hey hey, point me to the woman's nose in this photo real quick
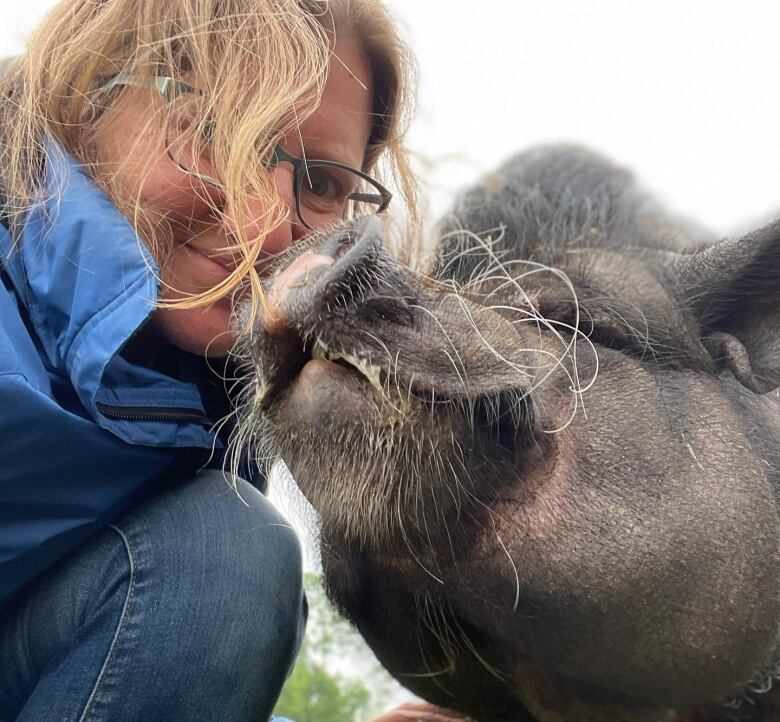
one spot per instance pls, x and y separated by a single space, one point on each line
290 229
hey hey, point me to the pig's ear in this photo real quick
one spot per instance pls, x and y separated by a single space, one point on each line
733 288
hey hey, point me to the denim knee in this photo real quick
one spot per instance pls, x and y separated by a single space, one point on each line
216 613
228 564
201 620
69 615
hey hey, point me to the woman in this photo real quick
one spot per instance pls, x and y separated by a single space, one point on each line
151 163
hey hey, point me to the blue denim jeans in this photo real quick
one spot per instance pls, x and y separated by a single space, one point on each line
189 607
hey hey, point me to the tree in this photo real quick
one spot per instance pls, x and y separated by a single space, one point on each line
312 694
336 678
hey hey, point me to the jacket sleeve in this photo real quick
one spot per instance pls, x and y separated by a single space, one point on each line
62 478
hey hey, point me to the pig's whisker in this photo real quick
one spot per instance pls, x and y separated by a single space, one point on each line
410 548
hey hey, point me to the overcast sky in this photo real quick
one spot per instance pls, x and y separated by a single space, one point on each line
682 91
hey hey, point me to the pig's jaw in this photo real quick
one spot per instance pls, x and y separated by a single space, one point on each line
422 472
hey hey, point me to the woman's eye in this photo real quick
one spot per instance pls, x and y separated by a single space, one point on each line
207 130
324 185
326 190
187 116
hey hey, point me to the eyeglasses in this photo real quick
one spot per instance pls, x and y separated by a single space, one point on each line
324 190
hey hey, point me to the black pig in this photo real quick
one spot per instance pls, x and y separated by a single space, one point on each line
547 471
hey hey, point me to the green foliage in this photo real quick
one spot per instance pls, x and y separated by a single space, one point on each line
324 685
312 694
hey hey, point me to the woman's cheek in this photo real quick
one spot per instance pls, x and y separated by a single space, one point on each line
206 330
178 196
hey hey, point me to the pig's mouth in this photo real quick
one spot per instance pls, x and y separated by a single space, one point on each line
331 301
344 302
313 362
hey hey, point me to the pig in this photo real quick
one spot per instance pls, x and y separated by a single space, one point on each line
546 468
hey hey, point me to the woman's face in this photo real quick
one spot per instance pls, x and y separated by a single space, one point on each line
140 166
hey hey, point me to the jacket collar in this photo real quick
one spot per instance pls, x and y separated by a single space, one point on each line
89 283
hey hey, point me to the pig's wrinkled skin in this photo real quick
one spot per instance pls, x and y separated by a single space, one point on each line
528 522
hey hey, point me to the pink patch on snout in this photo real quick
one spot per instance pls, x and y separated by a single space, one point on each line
296 275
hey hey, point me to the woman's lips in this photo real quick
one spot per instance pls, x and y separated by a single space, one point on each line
214 268
230 262
265 266
227 262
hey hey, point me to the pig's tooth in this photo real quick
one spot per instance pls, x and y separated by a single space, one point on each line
369 370
320 350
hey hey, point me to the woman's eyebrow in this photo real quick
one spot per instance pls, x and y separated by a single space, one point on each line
329 150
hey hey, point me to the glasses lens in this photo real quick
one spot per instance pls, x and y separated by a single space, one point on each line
329 193
189 133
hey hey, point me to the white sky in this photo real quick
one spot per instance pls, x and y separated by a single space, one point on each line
682 91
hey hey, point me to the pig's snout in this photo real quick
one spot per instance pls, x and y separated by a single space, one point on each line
310 278
299 274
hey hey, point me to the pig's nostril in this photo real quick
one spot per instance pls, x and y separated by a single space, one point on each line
345 244
338 246
360 240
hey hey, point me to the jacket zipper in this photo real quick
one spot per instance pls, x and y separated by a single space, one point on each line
152 413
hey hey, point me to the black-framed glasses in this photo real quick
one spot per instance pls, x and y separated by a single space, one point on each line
324 191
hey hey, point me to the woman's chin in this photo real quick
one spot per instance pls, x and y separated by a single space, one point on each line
202 331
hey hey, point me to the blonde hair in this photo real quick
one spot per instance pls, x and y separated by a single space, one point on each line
284 47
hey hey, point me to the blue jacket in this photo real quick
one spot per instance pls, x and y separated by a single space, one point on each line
84 434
